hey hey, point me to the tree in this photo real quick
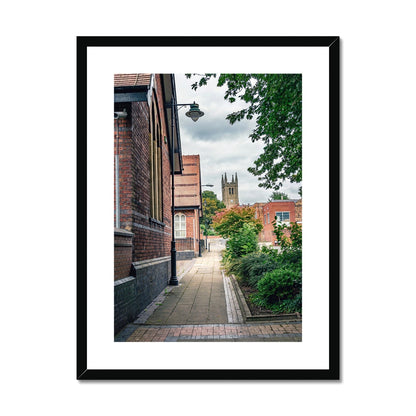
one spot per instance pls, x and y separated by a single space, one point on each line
289 237
278 196
211 205
275 101
229 222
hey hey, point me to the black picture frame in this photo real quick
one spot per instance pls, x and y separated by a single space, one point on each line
333 372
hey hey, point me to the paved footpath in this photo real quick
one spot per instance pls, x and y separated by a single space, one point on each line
198 299
202 307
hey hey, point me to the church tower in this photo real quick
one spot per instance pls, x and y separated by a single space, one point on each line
229 190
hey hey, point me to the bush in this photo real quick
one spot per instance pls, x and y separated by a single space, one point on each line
280 290
278 285
251 268
286 306
276 276
290 259
243 242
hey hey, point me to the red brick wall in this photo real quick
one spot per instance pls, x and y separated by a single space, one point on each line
123 245
151 238
267 234
298 211
192 225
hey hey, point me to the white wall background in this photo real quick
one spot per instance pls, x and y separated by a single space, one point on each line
38 266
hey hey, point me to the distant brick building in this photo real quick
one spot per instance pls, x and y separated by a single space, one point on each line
298 211
282 211
188 208
258 210
142 205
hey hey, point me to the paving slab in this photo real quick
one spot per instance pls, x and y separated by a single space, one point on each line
198 299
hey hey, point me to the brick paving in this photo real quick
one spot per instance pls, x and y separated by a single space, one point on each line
203 308
212 332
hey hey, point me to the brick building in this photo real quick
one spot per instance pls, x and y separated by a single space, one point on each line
284 211
258 210
188 208
143 118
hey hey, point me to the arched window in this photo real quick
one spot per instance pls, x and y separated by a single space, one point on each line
180 226
156 163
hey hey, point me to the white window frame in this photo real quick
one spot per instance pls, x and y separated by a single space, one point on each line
282 212
180 226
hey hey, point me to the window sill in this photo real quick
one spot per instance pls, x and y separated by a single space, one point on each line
155 221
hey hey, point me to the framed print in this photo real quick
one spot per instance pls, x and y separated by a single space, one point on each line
208 208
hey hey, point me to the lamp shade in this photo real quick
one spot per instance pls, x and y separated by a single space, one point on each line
194 113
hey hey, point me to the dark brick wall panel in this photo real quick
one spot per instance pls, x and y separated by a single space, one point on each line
125 302
151 279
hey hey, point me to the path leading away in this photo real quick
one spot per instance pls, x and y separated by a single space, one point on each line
199 298
203 307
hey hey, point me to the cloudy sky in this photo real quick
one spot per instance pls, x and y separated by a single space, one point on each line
223 148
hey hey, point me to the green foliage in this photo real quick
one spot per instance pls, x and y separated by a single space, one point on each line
279 285
275 101
251 268
289 237
278 196
243 242
207 230
229 222
211 205
276 276
290 305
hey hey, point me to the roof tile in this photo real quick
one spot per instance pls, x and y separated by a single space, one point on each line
128 80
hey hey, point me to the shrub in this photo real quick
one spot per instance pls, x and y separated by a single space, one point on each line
242 242
252 267
280 289
286 306
231 266
290 259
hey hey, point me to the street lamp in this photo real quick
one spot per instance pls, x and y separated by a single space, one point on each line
200 254
194 113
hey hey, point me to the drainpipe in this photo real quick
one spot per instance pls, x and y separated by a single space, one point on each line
117 116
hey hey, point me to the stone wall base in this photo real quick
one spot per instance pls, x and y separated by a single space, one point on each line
185 255
134 293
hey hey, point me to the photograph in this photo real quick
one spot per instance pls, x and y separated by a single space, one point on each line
200 255
203 222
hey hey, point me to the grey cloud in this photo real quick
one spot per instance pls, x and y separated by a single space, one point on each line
223 148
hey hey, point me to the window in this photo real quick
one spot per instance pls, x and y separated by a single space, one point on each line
283 216
268 218
180 226
156 210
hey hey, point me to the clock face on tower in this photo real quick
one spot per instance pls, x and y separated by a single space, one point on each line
231 201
